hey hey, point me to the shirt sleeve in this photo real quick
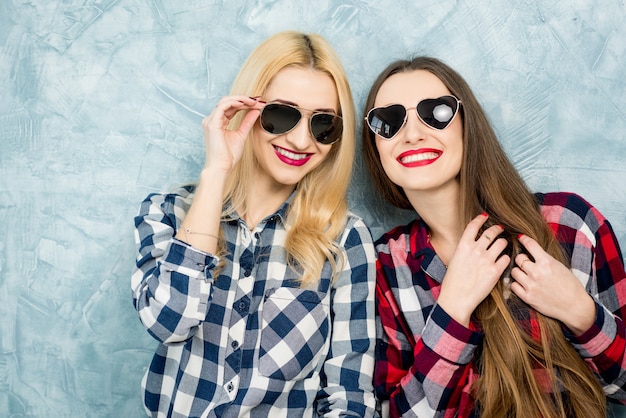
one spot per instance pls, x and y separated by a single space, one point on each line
422 375
172 281
346 378
603 346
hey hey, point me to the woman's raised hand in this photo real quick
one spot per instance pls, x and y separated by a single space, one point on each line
551 288
224 146
475 267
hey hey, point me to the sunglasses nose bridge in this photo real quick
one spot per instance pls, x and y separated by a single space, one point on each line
413 125
300 135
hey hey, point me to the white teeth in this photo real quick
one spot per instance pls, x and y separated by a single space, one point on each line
290 155
419 157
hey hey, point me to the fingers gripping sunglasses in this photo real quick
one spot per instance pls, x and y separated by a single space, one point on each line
280 118
436 113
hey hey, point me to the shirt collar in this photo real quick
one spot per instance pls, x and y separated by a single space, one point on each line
281 212
420 246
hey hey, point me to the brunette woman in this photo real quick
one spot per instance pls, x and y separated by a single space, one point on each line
494 302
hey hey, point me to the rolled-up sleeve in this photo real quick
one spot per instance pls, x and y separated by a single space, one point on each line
172 281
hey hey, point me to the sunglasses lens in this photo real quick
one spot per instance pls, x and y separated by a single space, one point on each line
438 113
386 121
326 128
279 118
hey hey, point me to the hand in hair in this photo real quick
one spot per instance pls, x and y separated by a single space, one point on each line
551 288
474 269
224 146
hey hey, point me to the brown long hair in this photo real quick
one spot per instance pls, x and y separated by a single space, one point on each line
489 182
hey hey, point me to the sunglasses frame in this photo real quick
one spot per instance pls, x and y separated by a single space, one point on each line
313 113
406 115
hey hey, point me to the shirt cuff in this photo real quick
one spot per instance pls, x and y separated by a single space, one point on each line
448 338
596 339
187 260
196 269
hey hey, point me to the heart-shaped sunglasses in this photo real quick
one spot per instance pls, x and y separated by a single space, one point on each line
280 118
437 113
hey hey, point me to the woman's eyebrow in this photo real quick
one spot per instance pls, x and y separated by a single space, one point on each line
328 110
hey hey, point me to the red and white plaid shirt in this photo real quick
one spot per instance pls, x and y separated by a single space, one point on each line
425 360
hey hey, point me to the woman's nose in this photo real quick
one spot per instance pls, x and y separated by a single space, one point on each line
300 136
414 127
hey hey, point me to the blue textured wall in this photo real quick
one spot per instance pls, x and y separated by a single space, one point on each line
101 103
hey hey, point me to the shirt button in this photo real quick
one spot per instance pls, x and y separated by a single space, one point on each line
234 344
230 387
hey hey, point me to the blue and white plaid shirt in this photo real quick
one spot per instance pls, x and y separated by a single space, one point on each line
251 342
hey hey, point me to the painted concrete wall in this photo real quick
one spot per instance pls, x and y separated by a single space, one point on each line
101 103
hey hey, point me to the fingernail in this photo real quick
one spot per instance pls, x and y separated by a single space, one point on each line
484 214
519 236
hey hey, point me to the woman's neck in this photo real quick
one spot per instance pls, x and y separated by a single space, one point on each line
441 212
262 200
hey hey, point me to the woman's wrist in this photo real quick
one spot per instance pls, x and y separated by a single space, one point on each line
213 174
582 317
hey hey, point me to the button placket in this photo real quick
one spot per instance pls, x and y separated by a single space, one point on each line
245 284
231 388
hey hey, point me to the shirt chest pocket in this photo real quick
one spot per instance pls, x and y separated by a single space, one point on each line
294 332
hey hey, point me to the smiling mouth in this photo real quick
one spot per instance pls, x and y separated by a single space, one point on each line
423 156
291 155
294 159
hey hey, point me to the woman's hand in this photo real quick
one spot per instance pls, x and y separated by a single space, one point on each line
551 288
224 147
475 267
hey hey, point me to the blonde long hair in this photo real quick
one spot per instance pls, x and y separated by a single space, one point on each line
317 214
489 182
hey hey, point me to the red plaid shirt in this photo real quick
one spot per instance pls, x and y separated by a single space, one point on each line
425 359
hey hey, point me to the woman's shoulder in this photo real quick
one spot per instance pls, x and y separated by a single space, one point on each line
170 202
399 235
568 208
179 192
569 200
355 223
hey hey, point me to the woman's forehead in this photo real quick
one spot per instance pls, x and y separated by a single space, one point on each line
410 87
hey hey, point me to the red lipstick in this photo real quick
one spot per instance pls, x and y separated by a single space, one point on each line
419 157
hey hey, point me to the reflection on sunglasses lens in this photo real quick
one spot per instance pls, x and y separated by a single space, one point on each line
437 113
387 121
443 113
324 129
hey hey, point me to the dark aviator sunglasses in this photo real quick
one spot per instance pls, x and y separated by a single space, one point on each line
437 113
280 118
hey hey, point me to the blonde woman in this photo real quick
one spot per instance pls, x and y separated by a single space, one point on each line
257 281
494 302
